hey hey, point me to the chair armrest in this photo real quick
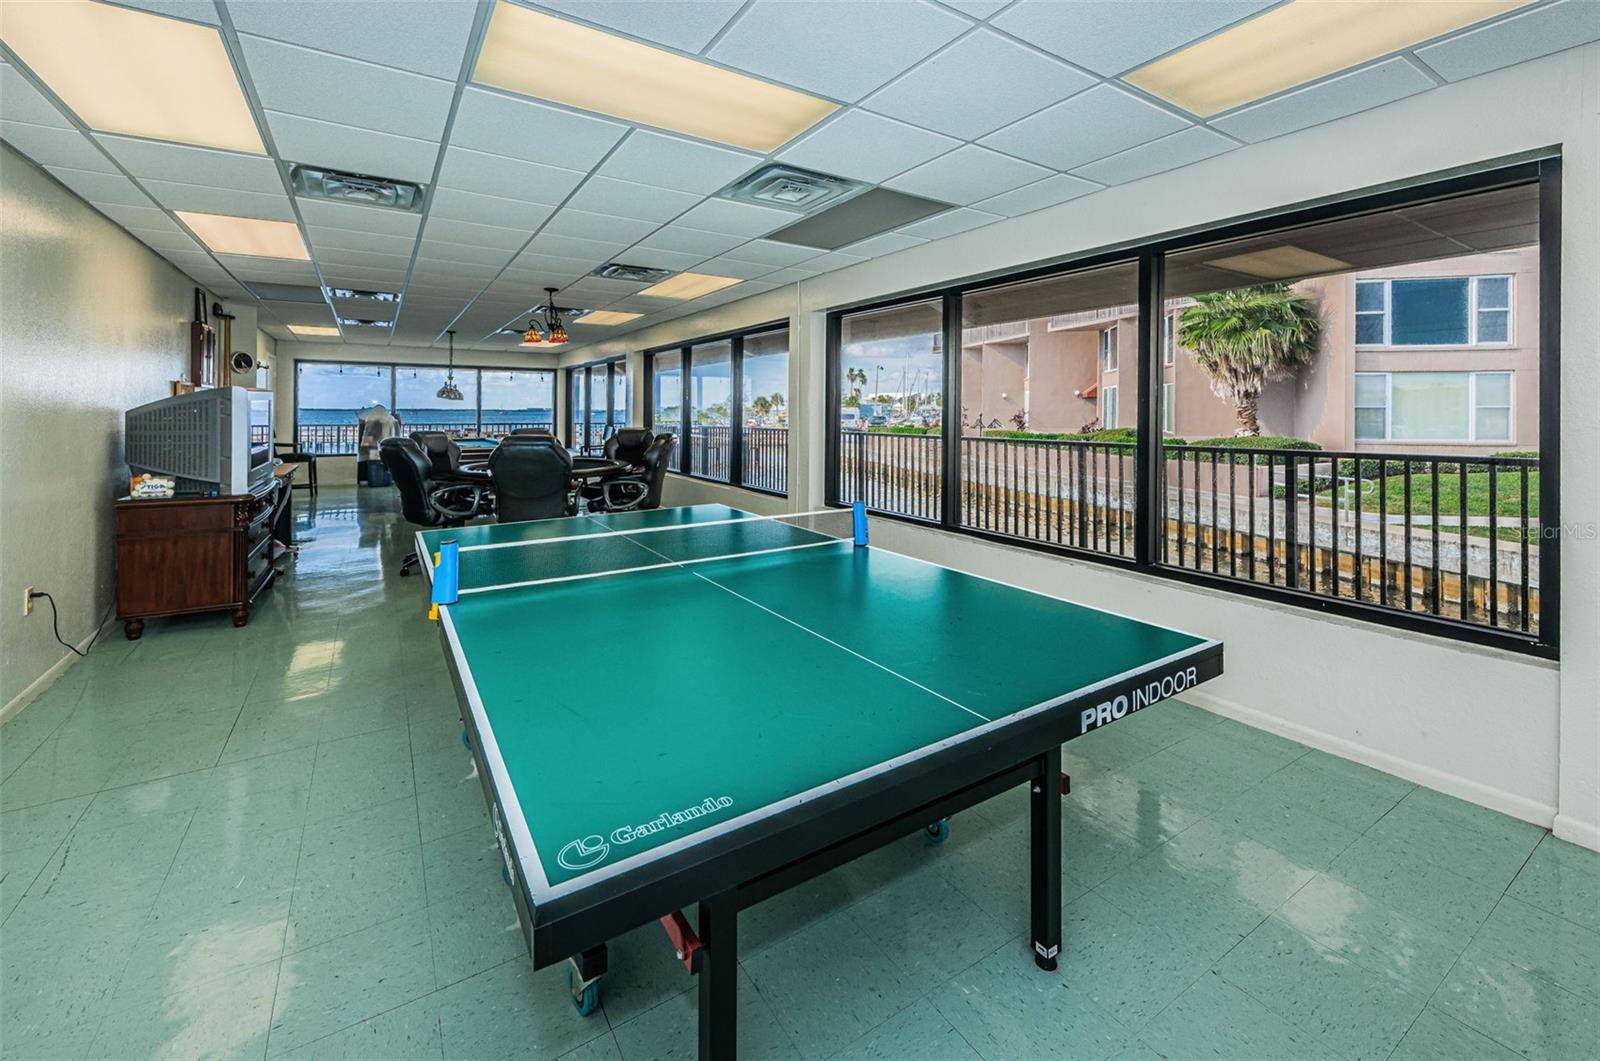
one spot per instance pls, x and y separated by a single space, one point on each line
443 499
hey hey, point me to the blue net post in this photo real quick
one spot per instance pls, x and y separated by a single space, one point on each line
447 573
858 511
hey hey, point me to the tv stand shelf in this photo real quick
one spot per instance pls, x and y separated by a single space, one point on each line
181 555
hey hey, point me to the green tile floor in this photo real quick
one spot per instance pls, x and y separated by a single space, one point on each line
270 842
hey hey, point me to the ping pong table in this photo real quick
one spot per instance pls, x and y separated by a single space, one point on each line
775 702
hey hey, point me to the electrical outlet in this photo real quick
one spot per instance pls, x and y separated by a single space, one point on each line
27 601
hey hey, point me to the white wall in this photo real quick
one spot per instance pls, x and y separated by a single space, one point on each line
92 323
1514 733
288 354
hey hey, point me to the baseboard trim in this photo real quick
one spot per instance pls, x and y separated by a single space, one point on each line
1495 799
15 705
1570 829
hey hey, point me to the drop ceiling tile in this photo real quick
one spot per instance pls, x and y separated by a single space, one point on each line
489 236
203 166
660 259
885 243
363 279
193 10
318 85
509 178
535 264
272 269
1528 35
599 227
366 259
597 290
736 219
175 196
686 27
1091 125
165 240
771 253
1111 36
979 9
109 188
353 217
1170 152
21 102
949 223
573 247
1038 195
691 241
520 128
453 205
434 250
725 266
867 147
328 145
943 94
146 217
966 175
833 260
663 161
192 261
325 238
426 38
619 198
810 44
790 275
1324 101
53 145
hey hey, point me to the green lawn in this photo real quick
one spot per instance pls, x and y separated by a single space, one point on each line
1508 490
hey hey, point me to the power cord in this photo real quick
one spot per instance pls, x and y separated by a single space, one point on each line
55 623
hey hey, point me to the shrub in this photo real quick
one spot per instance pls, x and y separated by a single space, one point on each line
1517 453
1279 442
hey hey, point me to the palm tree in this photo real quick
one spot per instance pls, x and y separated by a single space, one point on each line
1246 336
858 377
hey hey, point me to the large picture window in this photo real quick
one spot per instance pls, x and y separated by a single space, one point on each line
332 397
1340 407
711 408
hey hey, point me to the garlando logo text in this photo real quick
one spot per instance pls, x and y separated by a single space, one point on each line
1145 695
590 851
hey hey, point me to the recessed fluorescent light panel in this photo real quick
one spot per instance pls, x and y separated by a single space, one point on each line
608 317
247 235
535 54
366 296
124 71
314 329
1299 42
1281 263
309 182
689 285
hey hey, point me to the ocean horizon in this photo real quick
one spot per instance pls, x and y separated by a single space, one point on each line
467 415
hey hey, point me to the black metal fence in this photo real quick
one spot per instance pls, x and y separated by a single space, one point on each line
710 448
766 458
332 440
1445 536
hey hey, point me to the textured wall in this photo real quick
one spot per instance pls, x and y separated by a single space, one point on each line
91 324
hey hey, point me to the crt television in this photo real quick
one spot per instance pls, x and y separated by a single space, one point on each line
213 441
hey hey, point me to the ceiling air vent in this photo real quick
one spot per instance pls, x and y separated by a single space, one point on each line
353 322
790 188
314 183
366 296
635 274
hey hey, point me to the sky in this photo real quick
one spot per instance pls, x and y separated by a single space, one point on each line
910 358
323 386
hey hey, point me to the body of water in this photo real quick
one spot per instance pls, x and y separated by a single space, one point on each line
464 416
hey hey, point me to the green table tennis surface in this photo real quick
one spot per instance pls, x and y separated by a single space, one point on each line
631 712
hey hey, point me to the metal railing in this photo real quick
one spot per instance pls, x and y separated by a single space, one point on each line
766 458
896 473
710 446
1446 536
1056 491
335 440
993 333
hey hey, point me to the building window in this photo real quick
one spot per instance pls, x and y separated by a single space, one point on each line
1433 406
1169 341
764 406
1108 407
1108 349
1167 415
666 392
1443 311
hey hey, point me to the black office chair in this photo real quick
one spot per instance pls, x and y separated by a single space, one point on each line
424 500
533 432
445 456
532 479
642 489
626 445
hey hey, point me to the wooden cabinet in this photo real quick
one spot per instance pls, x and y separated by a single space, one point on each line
195 554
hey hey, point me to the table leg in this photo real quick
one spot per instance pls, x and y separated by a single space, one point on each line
719 977
1045 859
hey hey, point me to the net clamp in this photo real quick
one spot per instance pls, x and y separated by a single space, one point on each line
685 943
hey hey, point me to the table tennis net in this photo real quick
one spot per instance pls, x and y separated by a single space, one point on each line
612 548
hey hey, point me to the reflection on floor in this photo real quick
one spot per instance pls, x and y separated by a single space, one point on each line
266 842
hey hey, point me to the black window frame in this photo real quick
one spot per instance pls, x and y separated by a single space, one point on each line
1543 170
614 366
395 367
684 349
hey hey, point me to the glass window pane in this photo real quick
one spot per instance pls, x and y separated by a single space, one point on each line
514 398
1369 423
1494 425
1430 406
1369 296
1429 312
1494 292
621 395
891 367
710 404
1494 326
765 399
666 398
1372 388
598 406
575 397
419 407
330 400
1369 329
1494 389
